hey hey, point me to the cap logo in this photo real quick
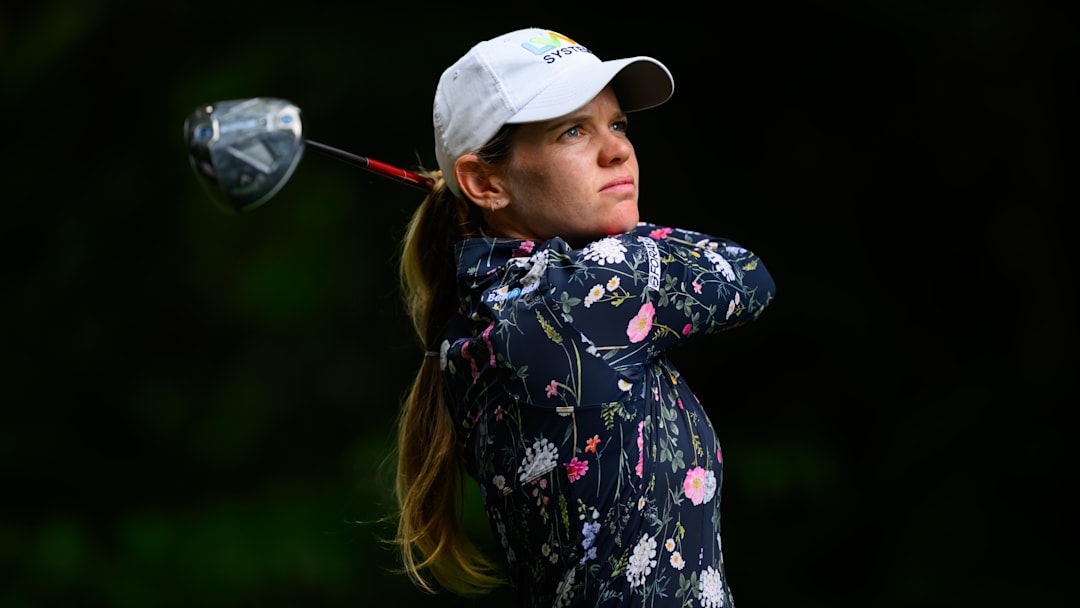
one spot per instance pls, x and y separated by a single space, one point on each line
539 45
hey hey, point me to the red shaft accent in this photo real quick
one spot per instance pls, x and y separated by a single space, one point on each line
399 174
396 173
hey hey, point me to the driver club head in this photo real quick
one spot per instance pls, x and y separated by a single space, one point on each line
243 151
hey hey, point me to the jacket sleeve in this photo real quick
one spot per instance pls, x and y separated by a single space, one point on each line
635 295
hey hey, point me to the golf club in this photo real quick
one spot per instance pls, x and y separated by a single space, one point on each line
244 150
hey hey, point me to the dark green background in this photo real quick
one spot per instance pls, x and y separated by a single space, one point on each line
197 407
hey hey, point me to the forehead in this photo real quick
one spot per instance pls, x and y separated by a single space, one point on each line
603 107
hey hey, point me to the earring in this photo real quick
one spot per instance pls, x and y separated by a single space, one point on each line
497 201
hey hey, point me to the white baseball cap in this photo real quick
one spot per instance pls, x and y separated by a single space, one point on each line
531 75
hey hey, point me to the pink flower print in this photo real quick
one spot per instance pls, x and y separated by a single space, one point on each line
639 326
487 340
552 389
719 456
640 468
592 443
694 485
697 287
575 468
686 330
499 413
524 249
660 233
467 355
679 403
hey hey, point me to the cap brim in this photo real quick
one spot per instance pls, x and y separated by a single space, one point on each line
639 83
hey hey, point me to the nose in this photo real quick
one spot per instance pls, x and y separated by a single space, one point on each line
615 148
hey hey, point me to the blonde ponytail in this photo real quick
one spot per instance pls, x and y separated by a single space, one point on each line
429 481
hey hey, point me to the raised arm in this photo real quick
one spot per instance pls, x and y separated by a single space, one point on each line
638 294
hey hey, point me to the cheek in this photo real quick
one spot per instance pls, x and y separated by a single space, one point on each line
528 180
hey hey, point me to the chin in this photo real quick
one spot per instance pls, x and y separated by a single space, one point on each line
614 230
624 223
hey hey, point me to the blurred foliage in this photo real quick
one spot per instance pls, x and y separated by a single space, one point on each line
199 408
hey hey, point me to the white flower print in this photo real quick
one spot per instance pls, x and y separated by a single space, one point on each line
532 277
443 349
642 561
606 251
539 459
711 587
613 283
595 294
731 305
500 527
721 264
589 346
707 244
710 486
564 592
677 561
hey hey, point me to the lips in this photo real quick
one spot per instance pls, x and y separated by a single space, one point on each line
619 185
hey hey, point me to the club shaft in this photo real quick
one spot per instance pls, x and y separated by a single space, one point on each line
381 168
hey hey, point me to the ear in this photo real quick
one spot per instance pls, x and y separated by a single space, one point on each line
478 180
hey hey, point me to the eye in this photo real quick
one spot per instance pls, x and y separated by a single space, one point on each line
574 131
620 126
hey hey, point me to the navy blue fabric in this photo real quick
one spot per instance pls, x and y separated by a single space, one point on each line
600 470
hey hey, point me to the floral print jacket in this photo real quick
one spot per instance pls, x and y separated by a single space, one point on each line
600 470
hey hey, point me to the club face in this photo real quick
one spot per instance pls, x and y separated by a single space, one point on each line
244 150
